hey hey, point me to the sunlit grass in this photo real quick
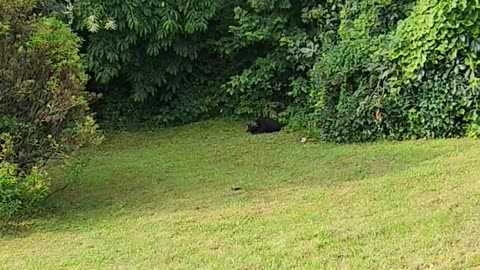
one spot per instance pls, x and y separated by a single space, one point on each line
164 200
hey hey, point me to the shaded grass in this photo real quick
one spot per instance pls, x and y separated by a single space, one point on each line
164 200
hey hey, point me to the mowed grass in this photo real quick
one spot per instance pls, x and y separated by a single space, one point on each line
164 200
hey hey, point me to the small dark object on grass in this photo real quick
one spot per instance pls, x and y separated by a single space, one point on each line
236 188
264 125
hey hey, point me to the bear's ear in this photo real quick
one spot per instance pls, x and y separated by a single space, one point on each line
249 127
252 125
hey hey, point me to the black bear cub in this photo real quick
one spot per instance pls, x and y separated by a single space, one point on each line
264 125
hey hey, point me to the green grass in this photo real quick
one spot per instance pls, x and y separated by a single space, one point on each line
163 200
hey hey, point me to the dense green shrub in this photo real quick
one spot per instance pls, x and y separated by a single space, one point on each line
349 74
116 110
436 52
347 71
438 32
278 35
44 110
399 71
19 190
160 56
152 45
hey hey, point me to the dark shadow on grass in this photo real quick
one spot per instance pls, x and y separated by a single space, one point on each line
14 230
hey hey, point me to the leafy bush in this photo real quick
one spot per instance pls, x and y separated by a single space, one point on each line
19 191
44 107
347 71
151 44
160 56
400 79
435 53
380 69
440 107
276 38
116 111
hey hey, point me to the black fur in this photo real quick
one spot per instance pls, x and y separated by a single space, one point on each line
264 125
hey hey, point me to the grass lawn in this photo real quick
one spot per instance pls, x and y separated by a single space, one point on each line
164 200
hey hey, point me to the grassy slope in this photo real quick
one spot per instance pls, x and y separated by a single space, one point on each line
164 200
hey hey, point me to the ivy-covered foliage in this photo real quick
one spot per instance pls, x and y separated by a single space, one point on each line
350 74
